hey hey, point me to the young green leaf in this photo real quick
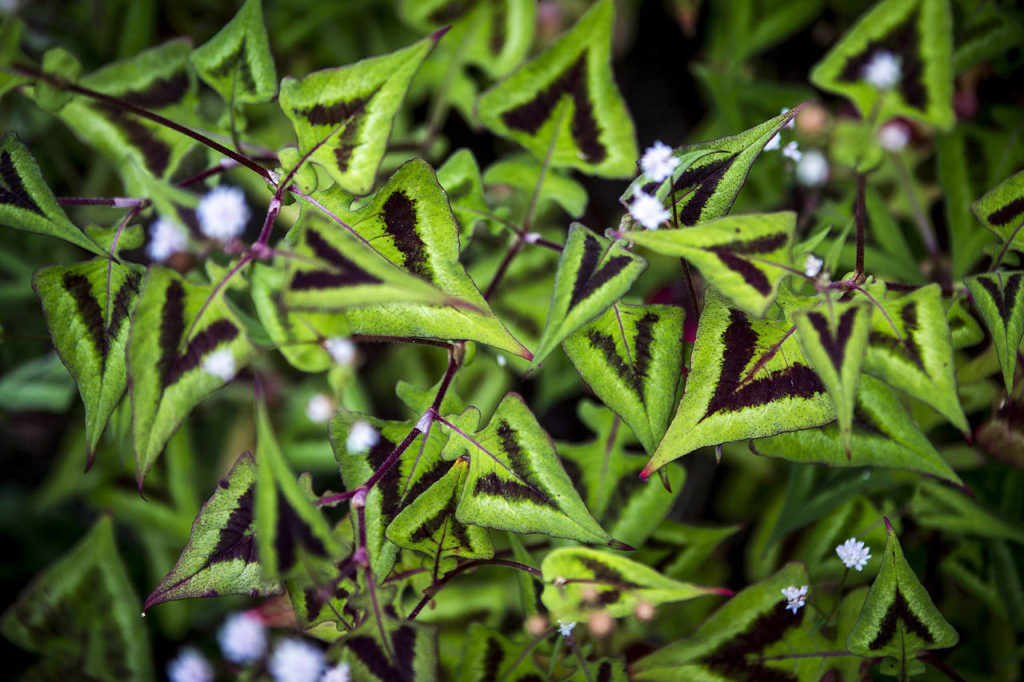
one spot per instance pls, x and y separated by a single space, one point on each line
748 379
678 549
834 343
632 358
345 113
409 651
710 174
88 307
82 616
563 105
999 298
26 202
489 656
953 511
963 328
237 62
516 481
221 556
957 178
593 273
178 327
899 619
621 584
460 177
521 172
745 257
896 61
1001 210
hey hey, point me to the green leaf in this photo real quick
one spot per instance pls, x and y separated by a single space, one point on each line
682 549
711 174
1001 210
345 113
159 80
177 326
920 34
953 511
461 180
42 383
884 435
910 348
622 584
834 343
607 477
409 651
58 62
748 379
966 239
745 256
999 298
899 619
428 524
488 656
563 105
632 358
963 328
987 33
11 29
516 481
522 172
593 273
26 202
88 307
289 529
221 556
236 62
82 616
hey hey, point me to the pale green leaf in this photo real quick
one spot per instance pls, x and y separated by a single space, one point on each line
461 180
999 298
236 62
1001 210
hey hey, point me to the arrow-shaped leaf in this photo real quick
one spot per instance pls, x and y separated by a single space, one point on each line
237 62
489 656
566 100
408 653
1001 210
999 297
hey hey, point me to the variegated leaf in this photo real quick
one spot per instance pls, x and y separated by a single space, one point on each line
963 328
999 298
408 653
489 656
1001 210
460 177
236 62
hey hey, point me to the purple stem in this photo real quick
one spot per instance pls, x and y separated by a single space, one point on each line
436 587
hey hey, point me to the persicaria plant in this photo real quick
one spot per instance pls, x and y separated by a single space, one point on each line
420 367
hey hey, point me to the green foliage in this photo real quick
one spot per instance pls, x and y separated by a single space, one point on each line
237 62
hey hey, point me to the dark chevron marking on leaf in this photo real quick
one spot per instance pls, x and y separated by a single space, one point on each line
833 345
765 244
493 485
348 113
14 193
399 216
236 62
292 533
530 116
731 394
867 423
587 280
634 375
904 41
372 656
624 490
520 465
390 484
80 289
1003 300
493 657
898 611
731 658
604 672
404 641
160 93
171 364
122 302
606 574
428 479
750 273
234 542
572 469
155 153
703 181
908 315
498 37
1001 216
350 274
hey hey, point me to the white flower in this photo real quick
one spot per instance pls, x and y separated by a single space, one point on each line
894 136
319 408
792 121
166 238
854 553
242 638
792 151
221 364
812 170
812 265
658 162
773 143
647 210
796 597
565 629
190 666
339 673
501 360
341 350
361 437
883 71
223 213
296 660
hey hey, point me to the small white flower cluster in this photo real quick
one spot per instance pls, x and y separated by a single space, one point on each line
883 71
339 673
341 350
319 408
813 265
221 364
894 136
361 437
166 238
296 660
223 213
647 210
190 666
658 162
792 151
565 628
795 596
854 553
812 169
242 639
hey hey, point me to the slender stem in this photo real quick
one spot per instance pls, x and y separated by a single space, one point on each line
861 216
392 459
399 339
503 268
941 666
540 241
371 584
882 310
570 641
813 654
129 216
225 164
116 202
924 225
245 260
431 591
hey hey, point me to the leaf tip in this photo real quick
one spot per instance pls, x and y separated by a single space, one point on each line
618 544
439 33
90 458
645 473
888 526
723 591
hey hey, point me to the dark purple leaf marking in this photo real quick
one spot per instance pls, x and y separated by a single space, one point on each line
236 62
603 573
519 463
697 184
1004 299
731 659
732 394
162 92
348 114
750 273
14 193
390 485
123 301
604 672
156 154
404 641
172 365
346 274
449 11
530 116
372 656
292 533
399 216
834 345
908 347
235 539
432 525
633 375
625 489
905 41
1001 216
899 611
370 653
588 278
572 469
80 290
491 484
498 20
432 476
493 657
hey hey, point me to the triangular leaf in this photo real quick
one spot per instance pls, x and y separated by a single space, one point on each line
565 100
748 379
177 326
348 111
899 618
999 297
745 257
919 35
410 652
489 656
1001 210
88 307
220 557
593 273
834 342
82 614
26 202
237 62
621 584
